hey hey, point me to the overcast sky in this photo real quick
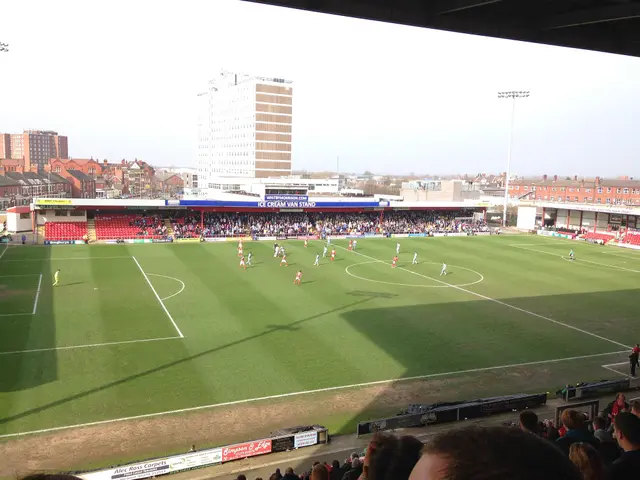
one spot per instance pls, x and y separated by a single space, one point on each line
120 79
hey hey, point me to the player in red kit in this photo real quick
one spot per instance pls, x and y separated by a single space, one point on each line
333 254
243 264
306 243
350 245
395 262
298 277
283 261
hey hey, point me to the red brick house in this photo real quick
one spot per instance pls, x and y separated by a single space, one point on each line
89 167
82 185
621 191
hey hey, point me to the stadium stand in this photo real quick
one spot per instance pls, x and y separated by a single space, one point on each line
632 238
268 224
116 226
605 237
65 230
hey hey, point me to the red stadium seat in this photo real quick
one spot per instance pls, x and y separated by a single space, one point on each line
605 237
113 227
65 230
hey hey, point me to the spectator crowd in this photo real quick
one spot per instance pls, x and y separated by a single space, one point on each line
190 225
606 447
149 225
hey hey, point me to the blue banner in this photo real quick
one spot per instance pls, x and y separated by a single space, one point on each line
286 198
417 235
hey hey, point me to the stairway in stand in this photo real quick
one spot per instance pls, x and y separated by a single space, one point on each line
167 222
91 230
40 233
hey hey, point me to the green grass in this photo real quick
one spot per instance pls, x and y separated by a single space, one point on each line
253 333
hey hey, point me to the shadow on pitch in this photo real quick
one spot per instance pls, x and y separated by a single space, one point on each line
25 371
364 297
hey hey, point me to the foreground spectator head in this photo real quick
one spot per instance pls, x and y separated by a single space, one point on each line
496 453
572 419
627 431
241 477
390 457
320 472
635 407
599 423
588 461
529 421
289 475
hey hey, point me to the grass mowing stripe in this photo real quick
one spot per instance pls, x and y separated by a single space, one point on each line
484 297
309 392
158 297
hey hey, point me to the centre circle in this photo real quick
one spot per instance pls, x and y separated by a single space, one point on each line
448 285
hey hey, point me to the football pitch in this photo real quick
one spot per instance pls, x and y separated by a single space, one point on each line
134 330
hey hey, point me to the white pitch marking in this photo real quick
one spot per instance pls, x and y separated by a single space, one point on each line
13 314
484 297
62 259
581 260
4 251
158 297
170 278
309 392
614 371
35 302
628 257
24 275
615 364
92 345
411 284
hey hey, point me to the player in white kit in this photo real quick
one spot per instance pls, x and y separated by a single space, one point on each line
415 258
398 248
276 249
324 252
317 262
444 269
355 244
249 259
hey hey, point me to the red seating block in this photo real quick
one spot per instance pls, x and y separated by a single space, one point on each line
65 230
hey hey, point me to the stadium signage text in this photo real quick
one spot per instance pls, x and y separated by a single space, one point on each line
287 204
305 439
244 450
54 201
159 467
286 198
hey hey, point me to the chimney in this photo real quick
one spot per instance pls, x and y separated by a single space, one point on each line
555 178
597 180
544 177
575 178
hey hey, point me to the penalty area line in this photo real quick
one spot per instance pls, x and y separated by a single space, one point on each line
508 305
158 297
35 302
310 392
